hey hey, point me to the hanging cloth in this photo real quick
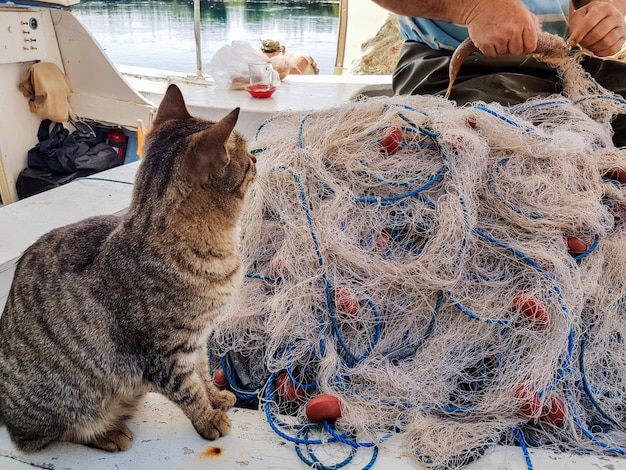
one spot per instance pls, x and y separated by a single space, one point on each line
48 91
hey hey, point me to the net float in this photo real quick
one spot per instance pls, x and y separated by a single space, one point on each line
531 308
219 378
277 268
617 174
576 246
287 389
392 138
382 241
346 301
323 407
554 410
529 403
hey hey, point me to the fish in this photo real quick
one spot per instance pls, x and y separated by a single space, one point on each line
550 49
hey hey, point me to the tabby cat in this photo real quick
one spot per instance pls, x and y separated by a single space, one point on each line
106 309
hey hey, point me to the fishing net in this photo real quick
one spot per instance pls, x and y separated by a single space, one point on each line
463 288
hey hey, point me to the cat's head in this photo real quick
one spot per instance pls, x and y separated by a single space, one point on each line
193 161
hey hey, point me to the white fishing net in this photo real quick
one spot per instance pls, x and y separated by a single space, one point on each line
432 290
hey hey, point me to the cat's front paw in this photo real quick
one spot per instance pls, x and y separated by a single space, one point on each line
223 400
218 425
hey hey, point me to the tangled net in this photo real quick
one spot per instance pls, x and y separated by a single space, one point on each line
465 291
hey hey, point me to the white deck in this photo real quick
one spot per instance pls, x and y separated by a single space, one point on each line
295 93
165 439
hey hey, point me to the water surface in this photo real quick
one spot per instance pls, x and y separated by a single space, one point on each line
160 34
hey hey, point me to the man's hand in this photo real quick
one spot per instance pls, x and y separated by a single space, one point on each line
502 27
599 27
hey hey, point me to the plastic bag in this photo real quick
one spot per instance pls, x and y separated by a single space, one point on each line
229 65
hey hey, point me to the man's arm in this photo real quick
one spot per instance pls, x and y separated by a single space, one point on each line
499 27
496 27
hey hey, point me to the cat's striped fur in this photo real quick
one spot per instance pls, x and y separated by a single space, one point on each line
106 309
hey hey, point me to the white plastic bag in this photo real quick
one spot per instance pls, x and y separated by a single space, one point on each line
229 65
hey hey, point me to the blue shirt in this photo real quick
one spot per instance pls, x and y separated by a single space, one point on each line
443 35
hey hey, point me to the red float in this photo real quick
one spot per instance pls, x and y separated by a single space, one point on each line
323 407
346 301
618 174
392 139
576 246
287 389
219 378
532 309
529 403
554 410
382 241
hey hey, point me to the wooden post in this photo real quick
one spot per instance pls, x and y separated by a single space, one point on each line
341 37
196 31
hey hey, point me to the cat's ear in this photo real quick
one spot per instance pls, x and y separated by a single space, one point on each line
172 106
209 156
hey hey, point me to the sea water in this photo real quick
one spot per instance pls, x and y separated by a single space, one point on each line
160 33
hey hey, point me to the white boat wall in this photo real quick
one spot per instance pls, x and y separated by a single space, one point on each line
164 437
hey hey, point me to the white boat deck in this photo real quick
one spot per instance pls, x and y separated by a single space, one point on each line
207 100
165 439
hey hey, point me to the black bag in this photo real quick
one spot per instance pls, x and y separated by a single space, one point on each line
30 182
80 152
61 156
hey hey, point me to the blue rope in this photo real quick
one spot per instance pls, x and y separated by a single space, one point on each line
522 443
303 430
524 106
272 420
589 434
314 462
263 124
570 338
617 98
262 278
584 383
244 395
335 326
328 287
407 107
343 440
498 115
301 130
407 120
591 249
395 182
295 381
399 197
307 211
472 315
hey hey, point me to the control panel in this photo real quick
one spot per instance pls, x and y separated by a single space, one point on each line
21 37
